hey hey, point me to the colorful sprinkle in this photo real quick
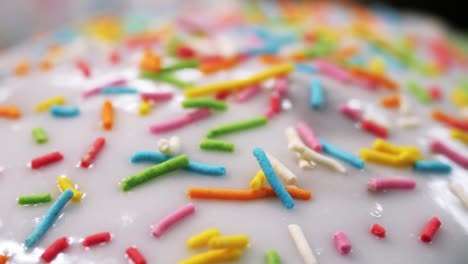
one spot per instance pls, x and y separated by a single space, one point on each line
217 145
155 171
172 218
40 136
35 199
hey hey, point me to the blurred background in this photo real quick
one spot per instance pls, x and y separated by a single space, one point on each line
20 19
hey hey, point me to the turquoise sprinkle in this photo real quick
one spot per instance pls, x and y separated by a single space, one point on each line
49 219
64 111
109 90
305 68
432 166
157 157
273 179
341 154
316 94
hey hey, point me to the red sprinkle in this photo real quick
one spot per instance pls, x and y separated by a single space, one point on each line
275 102
435 92
46 160
135 255
430 230
223 95
83 67
378 230
92 153
374 128
185 52
96 239
114 57
54 249
354 114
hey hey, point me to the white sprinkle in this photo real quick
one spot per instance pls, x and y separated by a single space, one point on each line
310 154
405 107
174 145
302 245
163 146
283 172
408 122
459 192
305 165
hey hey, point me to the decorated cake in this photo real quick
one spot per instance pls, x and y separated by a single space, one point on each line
236 132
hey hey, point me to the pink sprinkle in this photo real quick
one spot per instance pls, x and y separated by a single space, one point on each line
270 113
98 89
173 218
342 243
377 184
281 86
308 136
157 97
441 148
181 121
352 113
333 71
246 94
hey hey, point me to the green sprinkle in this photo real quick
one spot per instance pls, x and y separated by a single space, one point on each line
220 145
34 199
464 86
172 46
40 136
181 65
272 257
205 103
154 172
165 77
237 126
420 93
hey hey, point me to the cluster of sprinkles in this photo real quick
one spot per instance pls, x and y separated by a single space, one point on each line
324 53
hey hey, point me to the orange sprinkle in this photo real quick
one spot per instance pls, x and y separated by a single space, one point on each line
245 195
107 115
46 65
3 259
346 53
22 68
270 59
391 101
10 112
449 120
375 78
218 65
150 62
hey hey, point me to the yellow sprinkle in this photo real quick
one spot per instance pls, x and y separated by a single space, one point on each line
384 146
377 66
64 183
48 103
235 241
459 98
213 256
459 135
270 73
257 180
238 84
380 157
201 239
144 108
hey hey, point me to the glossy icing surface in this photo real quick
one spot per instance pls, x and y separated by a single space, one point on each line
340 202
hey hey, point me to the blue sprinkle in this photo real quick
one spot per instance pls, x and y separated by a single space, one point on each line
316 94
49 219
267 49
118 90
341 154
64 111
157 157
431 166
273 179
305 68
